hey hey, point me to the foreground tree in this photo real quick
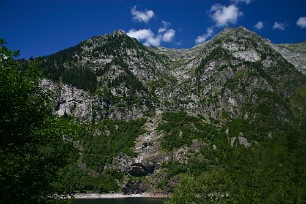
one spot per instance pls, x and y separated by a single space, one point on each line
30 151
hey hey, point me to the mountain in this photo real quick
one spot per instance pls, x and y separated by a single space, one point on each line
144 116
115 68
294 53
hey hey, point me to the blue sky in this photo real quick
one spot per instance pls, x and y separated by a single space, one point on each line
42 27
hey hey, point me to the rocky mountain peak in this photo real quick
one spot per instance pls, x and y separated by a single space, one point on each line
226 30
239 34
240 43
119 32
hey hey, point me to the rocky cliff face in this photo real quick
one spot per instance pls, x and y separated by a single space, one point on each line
237 66
237 84
294 53
72 101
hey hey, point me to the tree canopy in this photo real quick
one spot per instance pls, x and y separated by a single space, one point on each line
31 152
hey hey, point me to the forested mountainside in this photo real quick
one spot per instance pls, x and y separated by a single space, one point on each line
224 121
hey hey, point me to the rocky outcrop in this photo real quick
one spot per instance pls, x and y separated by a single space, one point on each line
295 54
149 153
71 101
135 187
131 166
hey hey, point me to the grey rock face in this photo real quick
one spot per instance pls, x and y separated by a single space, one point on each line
70 100
295 54
244 141
140 60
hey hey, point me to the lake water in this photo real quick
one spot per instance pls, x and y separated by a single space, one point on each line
120 201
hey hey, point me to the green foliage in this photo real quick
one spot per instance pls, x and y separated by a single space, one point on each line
270 111
128 78
180 129
54 64
285 70
174 168
273 172
75 178
31 153
211 187
103 70
116 137
299 105
81 78
239 125
115 45
98 145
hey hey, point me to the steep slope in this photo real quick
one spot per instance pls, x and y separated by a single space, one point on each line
98 51
115 68
237 67
235 88
294 53
233 72
152 114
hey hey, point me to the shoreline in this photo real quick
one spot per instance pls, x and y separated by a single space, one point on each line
117 195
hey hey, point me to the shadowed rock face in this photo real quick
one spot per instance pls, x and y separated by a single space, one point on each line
138 169
135 187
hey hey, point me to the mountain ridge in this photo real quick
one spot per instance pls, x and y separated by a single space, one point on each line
234 91
115 57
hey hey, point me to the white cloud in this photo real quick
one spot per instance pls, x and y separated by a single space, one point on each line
153 41
165 27
301 22
142 16
241 1
259 25
149 38
204 37
168 35
162 30
141 34
279 26
224 15
145 35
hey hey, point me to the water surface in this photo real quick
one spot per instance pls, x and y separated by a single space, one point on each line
120 201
